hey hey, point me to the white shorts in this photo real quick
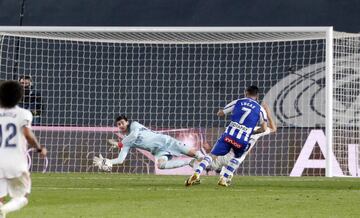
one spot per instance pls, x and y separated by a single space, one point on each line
15 187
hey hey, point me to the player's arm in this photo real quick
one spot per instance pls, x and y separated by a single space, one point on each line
122 156
33 142
106 164
126 144
227 109
262 128
115 144
263 121
271 123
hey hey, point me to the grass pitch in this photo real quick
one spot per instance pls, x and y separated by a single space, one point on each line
119 195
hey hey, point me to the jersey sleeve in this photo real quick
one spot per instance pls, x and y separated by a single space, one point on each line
122 155
26 119
136 126
263 115
229 107
131 138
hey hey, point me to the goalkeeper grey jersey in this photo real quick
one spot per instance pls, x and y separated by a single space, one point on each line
141 137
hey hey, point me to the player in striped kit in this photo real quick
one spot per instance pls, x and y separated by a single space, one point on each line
246 113
221 162
163 147
15 131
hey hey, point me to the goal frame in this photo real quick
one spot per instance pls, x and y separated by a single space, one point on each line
327 30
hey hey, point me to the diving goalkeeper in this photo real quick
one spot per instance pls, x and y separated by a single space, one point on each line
163 147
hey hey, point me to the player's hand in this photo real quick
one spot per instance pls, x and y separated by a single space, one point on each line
43 152
220 113
113 144
102 163
97 161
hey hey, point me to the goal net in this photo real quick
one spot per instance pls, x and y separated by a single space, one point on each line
173 80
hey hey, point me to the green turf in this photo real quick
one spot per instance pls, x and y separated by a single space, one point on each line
118 195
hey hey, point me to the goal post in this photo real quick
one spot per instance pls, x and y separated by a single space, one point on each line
329 101
173 79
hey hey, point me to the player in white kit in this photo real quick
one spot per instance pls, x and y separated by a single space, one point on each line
15 133
163 147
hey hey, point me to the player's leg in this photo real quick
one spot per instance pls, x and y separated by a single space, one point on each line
220 148
177 147
197 154
3 190
166 162
18 189
223 161
3 193
227 171
217 164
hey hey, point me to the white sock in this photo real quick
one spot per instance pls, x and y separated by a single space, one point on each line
199 155
228 171
14 204
203 164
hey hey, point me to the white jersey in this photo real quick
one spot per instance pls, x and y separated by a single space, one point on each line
13 146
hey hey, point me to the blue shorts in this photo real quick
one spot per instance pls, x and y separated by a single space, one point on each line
225 143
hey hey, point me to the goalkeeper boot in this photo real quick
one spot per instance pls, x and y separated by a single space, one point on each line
224 181
195 178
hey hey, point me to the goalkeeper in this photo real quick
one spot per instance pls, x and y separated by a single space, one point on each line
163 147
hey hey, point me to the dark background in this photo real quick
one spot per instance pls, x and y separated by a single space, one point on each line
343 15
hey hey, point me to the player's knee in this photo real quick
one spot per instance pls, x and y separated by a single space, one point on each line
191 152
161 164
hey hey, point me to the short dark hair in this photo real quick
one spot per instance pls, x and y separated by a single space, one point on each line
11 93
252 90
121 117
26 77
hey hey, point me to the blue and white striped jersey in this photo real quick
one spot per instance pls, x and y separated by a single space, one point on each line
246 113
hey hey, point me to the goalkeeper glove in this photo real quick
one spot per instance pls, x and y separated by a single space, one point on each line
102 163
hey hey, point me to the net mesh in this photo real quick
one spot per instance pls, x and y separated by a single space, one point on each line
175 83
346 107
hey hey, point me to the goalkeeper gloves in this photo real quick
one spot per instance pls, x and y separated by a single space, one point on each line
102 163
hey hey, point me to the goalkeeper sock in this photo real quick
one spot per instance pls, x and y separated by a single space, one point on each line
203 164
14 204
174 164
